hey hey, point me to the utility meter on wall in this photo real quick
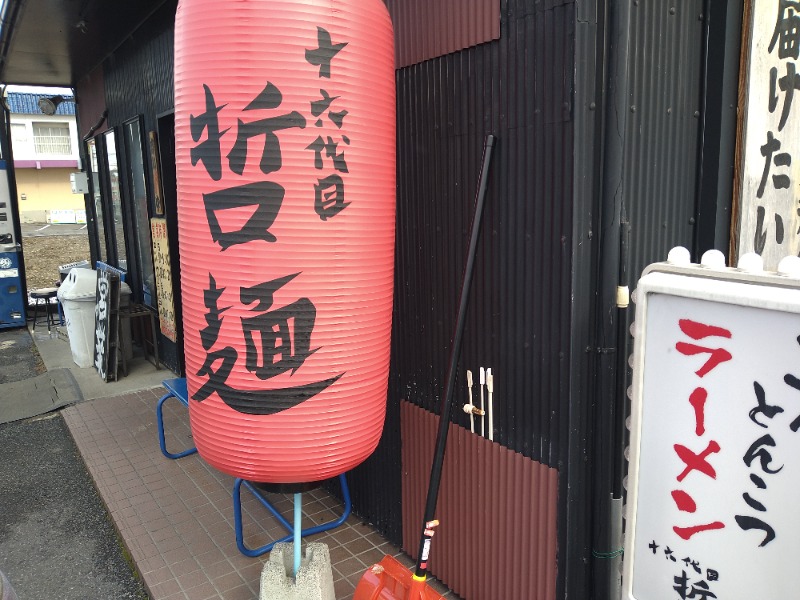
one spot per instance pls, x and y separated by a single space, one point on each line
79 183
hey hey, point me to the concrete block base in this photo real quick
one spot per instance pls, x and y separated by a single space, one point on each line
314 579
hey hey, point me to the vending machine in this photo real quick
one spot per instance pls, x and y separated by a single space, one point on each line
12 292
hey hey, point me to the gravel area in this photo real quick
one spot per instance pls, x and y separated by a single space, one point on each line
45 253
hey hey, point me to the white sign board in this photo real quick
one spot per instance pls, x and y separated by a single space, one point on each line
714 473
770 169
62 216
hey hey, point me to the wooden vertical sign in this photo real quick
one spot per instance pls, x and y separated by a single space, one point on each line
769 182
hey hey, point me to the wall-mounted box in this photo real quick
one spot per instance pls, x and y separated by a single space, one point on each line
79 183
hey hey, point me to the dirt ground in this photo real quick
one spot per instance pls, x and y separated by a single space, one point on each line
44 254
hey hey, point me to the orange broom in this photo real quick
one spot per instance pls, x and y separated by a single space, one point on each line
389 579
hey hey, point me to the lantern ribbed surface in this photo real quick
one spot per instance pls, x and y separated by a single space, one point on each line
285 150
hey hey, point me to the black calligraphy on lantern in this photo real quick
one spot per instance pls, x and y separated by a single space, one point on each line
263 198
218 364
271 160
694 457
328 147
211 296
277 337
277 341
322 55
209 151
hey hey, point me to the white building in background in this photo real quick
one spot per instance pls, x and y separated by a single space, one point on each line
46 153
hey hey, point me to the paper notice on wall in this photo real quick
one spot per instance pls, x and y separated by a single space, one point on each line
163 276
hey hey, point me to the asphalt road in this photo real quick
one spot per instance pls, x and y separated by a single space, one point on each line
57 541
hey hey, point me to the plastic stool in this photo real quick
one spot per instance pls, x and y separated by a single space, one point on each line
45 294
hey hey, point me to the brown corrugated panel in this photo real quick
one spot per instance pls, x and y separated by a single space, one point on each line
425 29
497 508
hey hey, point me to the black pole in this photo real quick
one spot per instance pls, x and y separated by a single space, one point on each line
607 515
621 397
699 218
421 569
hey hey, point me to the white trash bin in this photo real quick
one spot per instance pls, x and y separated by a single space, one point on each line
77 295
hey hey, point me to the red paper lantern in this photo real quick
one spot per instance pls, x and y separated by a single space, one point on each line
285 140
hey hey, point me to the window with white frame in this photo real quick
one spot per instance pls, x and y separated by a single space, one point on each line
52 138
19 134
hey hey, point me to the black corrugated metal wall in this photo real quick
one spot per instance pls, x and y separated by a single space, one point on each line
678 152
139 82
139 75
575 491
520 89
663 127
679 145
680 137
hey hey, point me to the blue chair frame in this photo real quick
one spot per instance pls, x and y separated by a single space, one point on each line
237 517
176 388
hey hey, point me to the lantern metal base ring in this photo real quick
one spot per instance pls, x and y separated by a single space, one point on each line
237 517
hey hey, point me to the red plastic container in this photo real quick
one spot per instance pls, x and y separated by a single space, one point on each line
285 141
